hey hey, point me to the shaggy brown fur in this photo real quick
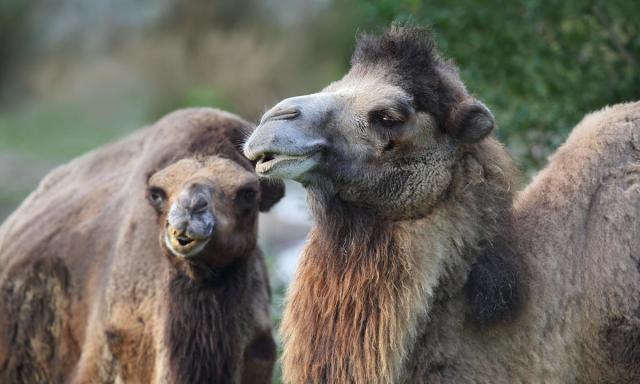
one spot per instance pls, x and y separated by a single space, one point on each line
90 293
202 337
367 272
421 268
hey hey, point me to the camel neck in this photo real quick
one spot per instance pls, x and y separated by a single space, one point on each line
365 285
199 322
360 292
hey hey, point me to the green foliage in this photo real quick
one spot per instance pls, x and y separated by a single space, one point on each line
539 65
12 18
57 131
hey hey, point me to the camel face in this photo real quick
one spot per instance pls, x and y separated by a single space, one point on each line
207 210
361 140
385 137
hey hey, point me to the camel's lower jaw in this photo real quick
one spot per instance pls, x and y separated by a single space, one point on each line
286 166
187 251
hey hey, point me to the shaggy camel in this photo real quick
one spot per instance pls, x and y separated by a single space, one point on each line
421 266
138 263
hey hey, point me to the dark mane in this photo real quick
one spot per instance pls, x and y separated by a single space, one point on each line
410 56
496 289
199 320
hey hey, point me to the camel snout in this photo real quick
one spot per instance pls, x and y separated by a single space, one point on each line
291 128
191 221
196 223
190 237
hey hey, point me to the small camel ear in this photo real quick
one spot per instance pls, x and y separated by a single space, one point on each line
271 191
470 121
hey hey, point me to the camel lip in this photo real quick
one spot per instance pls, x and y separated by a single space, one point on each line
184 240
269 160
286 166
183 246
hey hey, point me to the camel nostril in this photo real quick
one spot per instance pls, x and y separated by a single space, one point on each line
267 157
283 114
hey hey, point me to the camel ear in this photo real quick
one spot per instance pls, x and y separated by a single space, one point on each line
271 191
470 121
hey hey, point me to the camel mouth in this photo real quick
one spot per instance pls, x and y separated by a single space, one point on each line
184 240
182 245
285 166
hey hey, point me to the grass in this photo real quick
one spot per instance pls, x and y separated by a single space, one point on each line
62 129
38 135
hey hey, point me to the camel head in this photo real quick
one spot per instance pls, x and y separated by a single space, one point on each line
385 137
207 211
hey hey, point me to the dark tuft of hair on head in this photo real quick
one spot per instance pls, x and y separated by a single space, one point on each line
398 46
410 57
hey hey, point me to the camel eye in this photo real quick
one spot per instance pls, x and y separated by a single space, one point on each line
156 197
384 119
245 201
246 195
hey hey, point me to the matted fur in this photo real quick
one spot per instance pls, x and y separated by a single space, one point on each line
347 307
200 331
87 294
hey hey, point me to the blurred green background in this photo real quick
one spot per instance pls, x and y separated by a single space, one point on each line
75 74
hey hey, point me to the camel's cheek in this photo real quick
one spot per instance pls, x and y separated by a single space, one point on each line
232 238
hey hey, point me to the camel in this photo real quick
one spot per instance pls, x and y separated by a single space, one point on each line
424 265
138 263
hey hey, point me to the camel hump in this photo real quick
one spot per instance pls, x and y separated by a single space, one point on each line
603 147
582 214
606 125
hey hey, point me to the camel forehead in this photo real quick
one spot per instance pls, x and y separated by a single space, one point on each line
227 172
216 169
367 89
175 173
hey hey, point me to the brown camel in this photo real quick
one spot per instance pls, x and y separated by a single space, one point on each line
421 266
138 263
